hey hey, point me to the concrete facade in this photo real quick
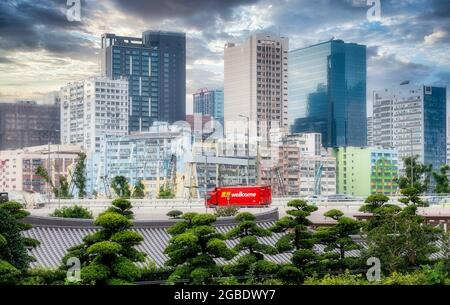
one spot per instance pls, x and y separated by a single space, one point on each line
256 83
92 109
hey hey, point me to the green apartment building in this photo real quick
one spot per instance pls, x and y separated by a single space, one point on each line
361 171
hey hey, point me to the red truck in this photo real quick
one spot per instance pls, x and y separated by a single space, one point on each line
250 196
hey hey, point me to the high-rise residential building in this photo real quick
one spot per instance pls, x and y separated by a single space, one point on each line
412 119
209 102
155 66
18 167
299 166
92 109
362 171
448 141
27 123
369 131
256 83
327 92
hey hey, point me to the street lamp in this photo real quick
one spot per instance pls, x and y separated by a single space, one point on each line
411 148
248 145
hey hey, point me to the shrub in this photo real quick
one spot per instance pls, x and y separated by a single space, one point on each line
174 214
341 279
41 276
75 211
8 273
226 211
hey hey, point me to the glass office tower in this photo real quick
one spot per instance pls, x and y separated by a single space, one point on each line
327 92
209 102
155 66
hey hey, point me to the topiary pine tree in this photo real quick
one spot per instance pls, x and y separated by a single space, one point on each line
410 196
377 205
297 237
337 238
247 232
108 256
122 206
14 259
192 249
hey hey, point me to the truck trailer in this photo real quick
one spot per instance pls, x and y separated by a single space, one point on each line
243 196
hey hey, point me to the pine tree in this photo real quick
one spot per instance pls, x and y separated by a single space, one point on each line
194 245
338 240
14 259
108 256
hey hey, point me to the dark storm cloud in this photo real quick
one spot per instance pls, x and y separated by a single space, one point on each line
36 25
195 12
436 9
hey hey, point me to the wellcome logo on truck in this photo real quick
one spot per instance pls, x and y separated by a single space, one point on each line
242 194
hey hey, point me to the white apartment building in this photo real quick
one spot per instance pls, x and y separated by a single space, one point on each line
256 84
91 109
411 119
18 167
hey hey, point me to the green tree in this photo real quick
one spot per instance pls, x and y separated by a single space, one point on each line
120 186
138 191
63 191
75 211
165 193
247 231
174 214
442 180
298 237
42 172
194 245
377 205
122 206
421 174
338 240
401 240
79 176
410 196
14 259
108 256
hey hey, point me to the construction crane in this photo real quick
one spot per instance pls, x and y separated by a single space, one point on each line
317 179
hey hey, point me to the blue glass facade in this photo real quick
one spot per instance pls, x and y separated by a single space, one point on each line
435 135
155 66
209 102
327 92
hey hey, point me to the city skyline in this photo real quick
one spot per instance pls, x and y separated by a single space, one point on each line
42 50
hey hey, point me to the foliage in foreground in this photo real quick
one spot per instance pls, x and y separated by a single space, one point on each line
75 211
108 256
14 259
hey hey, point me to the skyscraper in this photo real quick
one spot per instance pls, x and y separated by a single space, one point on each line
412 119
255 83
209 102
26 123
327 92
155 66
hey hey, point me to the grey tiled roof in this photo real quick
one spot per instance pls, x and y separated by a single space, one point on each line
55 239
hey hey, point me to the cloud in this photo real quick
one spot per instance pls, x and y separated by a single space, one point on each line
438 36
196 13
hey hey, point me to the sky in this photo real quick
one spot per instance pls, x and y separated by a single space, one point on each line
41 50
